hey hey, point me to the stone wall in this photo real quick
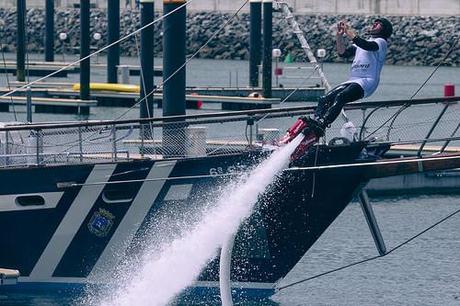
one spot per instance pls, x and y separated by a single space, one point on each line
416 40
331 7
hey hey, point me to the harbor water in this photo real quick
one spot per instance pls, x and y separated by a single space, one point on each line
422 272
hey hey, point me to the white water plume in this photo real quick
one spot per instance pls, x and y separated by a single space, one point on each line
163 276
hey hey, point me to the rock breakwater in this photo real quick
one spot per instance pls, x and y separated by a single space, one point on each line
416 41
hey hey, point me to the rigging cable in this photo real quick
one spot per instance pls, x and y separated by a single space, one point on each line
303 82
143 85
98 51
187 61
299 85
8 82
135 32
370 258
400 110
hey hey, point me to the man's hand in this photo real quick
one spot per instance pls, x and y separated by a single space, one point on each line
348 30
340 40
340 28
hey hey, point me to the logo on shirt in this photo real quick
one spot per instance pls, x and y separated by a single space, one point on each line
360 66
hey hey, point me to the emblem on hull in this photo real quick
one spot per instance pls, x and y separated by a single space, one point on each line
101 222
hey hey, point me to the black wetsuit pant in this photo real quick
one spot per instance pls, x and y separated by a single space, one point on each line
330 105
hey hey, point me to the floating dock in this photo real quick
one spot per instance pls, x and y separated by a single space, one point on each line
38 68
445 181
126 99
50 105
229 98
285 94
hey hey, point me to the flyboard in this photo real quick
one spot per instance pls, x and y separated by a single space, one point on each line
311 130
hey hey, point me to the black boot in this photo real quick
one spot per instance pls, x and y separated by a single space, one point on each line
316 126
323 105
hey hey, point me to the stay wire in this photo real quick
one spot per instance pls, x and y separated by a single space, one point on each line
143 85
161 86
371 258
98 51
454 44
8 82
402 108
177 70
297 88
134 33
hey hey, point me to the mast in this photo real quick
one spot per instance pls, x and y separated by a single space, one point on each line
49 31
254 41
113 33
147 84
174 74
21 41
267 48
84 49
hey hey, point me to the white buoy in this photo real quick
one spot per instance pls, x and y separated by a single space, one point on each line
321 53
97 36
62 36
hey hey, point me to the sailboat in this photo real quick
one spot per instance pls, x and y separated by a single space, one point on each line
74 195
77 197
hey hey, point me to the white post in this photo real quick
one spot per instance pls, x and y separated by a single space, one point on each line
224 272
124 71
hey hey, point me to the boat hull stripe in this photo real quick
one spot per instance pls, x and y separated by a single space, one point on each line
132 220
71 222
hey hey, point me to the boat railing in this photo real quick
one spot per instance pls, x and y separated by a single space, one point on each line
155 138
431 124
221 133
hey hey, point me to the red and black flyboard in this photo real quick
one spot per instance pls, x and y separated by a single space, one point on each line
312 131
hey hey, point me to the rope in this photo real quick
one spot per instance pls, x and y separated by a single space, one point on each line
454 44
371 258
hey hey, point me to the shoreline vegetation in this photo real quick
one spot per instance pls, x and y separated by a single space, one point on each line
417 40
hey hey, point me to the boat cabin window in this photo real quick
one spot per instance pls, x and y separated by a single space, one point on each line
30 200
116 196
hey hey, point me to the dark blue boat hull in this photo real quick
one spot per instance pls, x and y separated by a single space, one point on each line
89 208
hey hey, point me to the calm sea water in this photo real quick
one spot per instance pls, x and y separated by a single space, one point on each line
397 82
424 272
